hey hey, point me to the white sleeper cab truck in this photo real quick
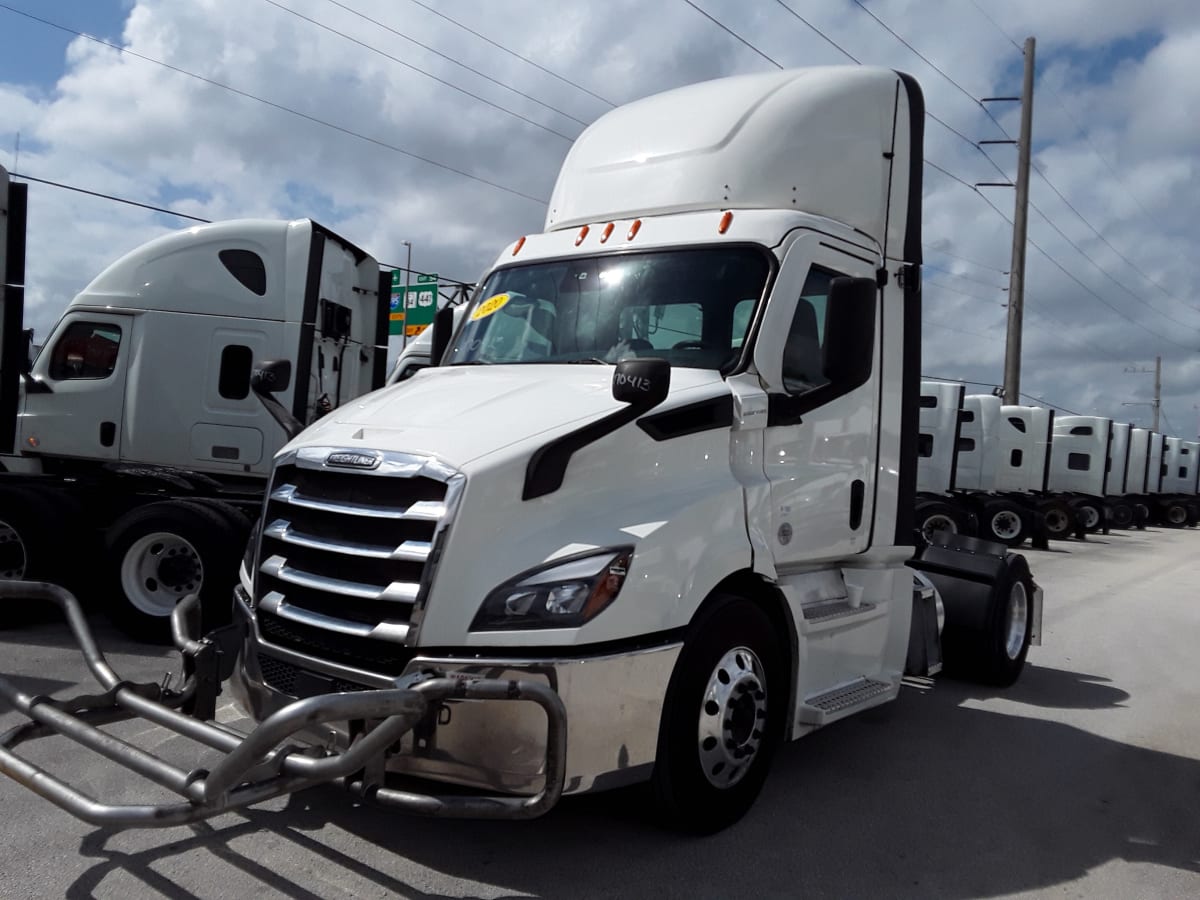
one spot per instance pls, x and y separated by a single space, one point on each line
135 429
1079 466
648 516
1177 505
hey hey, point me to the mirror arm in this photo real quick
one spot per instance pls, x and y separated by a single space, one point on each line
290 424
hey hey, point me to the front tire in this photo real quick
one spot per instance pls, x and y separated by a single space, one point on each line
1059 519
723 718
160 553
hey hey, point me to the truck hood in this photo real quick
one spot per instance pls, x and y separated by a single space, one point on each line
459 414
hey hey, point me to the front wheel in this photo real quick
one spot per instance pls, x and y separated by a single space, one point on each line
723 718
159 554
1004 522
1122 514
1059 519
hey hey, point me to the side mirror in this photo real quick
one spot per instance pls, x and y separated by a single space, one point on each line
272 377
642 383
443 326
849 348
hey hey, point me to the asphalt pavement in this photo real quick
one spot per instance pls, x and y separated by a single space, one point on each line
1082 780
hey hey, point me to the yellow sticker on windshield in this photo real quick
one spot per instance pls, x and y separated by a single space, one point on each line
489 306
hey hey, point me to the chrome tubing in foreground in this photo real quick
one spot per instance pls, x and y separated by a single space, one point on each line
255 766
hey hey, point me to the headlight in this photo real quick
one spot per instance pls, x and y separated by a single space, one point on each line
563 594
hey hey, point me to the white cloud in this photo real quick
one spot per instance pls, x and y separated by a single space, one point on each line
1128 73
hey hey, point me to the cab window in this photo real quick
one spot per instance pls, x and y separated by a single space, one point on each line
86 350
803 357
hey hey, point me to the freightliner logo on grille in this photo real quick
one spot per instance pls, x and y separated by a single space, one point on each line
348 459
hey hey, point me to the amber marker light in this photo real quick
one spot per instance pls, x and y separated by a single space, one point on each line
583 232
520 244
633 229
725 221
608 230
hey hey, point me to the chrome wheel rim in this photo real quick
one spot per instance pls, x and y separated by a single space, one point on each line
158 571
1091 516
13 557
938 522
1016 620
1006 525
733 716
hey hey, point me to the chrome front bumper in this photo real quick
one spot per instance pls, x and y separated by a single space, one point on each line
613 705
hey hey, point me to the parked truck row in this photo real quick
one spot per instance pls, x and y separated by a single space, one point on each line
1013 473
644 512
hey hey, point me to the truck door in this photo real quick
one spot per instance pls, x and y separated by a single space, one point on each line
75 403
819 444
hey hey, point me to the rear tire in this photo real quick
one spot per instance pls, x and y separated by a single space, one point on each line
995 654
723 718
1122 515
1059 519
1004 522
1091 515
934 516
160 553
1174 514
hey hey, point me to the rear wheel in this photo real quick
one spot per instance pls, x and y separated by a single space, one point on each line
994 652
1122 514
162 552
723 718
1175 514
934 516
1091 516
1003 521
1059 519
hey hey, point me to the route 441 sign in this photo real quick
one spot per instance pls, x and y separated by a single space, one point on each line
412 307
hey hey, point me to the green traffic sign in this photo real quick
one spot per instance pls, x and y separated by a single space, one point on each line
413 306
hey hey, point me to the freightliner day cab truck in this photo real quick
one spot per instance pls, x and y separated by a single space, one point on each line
135 430
648 516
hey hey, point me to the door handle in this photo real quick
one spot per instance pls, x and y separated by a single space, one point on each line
858 490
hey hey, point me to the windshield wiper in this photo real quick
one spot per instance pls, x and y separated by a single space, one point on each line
474 362
588 360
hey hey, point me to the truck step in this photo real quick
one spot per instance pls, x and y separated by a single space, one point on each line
822 709
817 613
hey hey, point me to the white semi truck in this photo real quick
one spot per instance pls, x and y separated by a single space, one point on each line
135 430
648 515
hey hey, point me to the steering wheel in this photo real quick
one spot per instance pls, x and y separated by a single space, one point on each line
690 345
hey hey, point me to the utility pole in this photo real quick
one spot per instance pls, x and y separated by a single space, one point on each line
1016 276
1157 389
1157 404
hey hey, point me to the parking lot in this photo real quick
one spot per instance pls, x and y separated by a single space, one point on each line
1083 780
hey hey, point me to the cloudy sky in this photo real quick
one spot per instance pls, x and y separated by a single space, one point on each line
443 123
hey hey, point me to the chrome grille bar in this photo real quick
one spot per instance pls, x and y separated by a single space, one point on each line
409 551
421 511
396 592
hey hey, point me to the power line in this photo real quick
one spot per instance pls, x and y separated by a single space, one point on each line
975 334
1103 272
278 106
456 62
827 38
733 33
925 59
512 53
952 274
1052 405
430 75
944 286
935 249
997 26
79 190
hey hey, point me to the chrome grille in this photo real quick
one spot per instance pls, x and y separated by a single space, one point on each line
344 553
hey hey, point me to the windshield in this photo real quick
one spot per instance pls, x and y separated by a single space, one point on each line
690 307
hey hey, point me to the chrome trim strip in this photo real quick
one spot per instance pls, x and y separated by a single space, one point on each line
396 592
456 484
276 603
409 551
421 511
